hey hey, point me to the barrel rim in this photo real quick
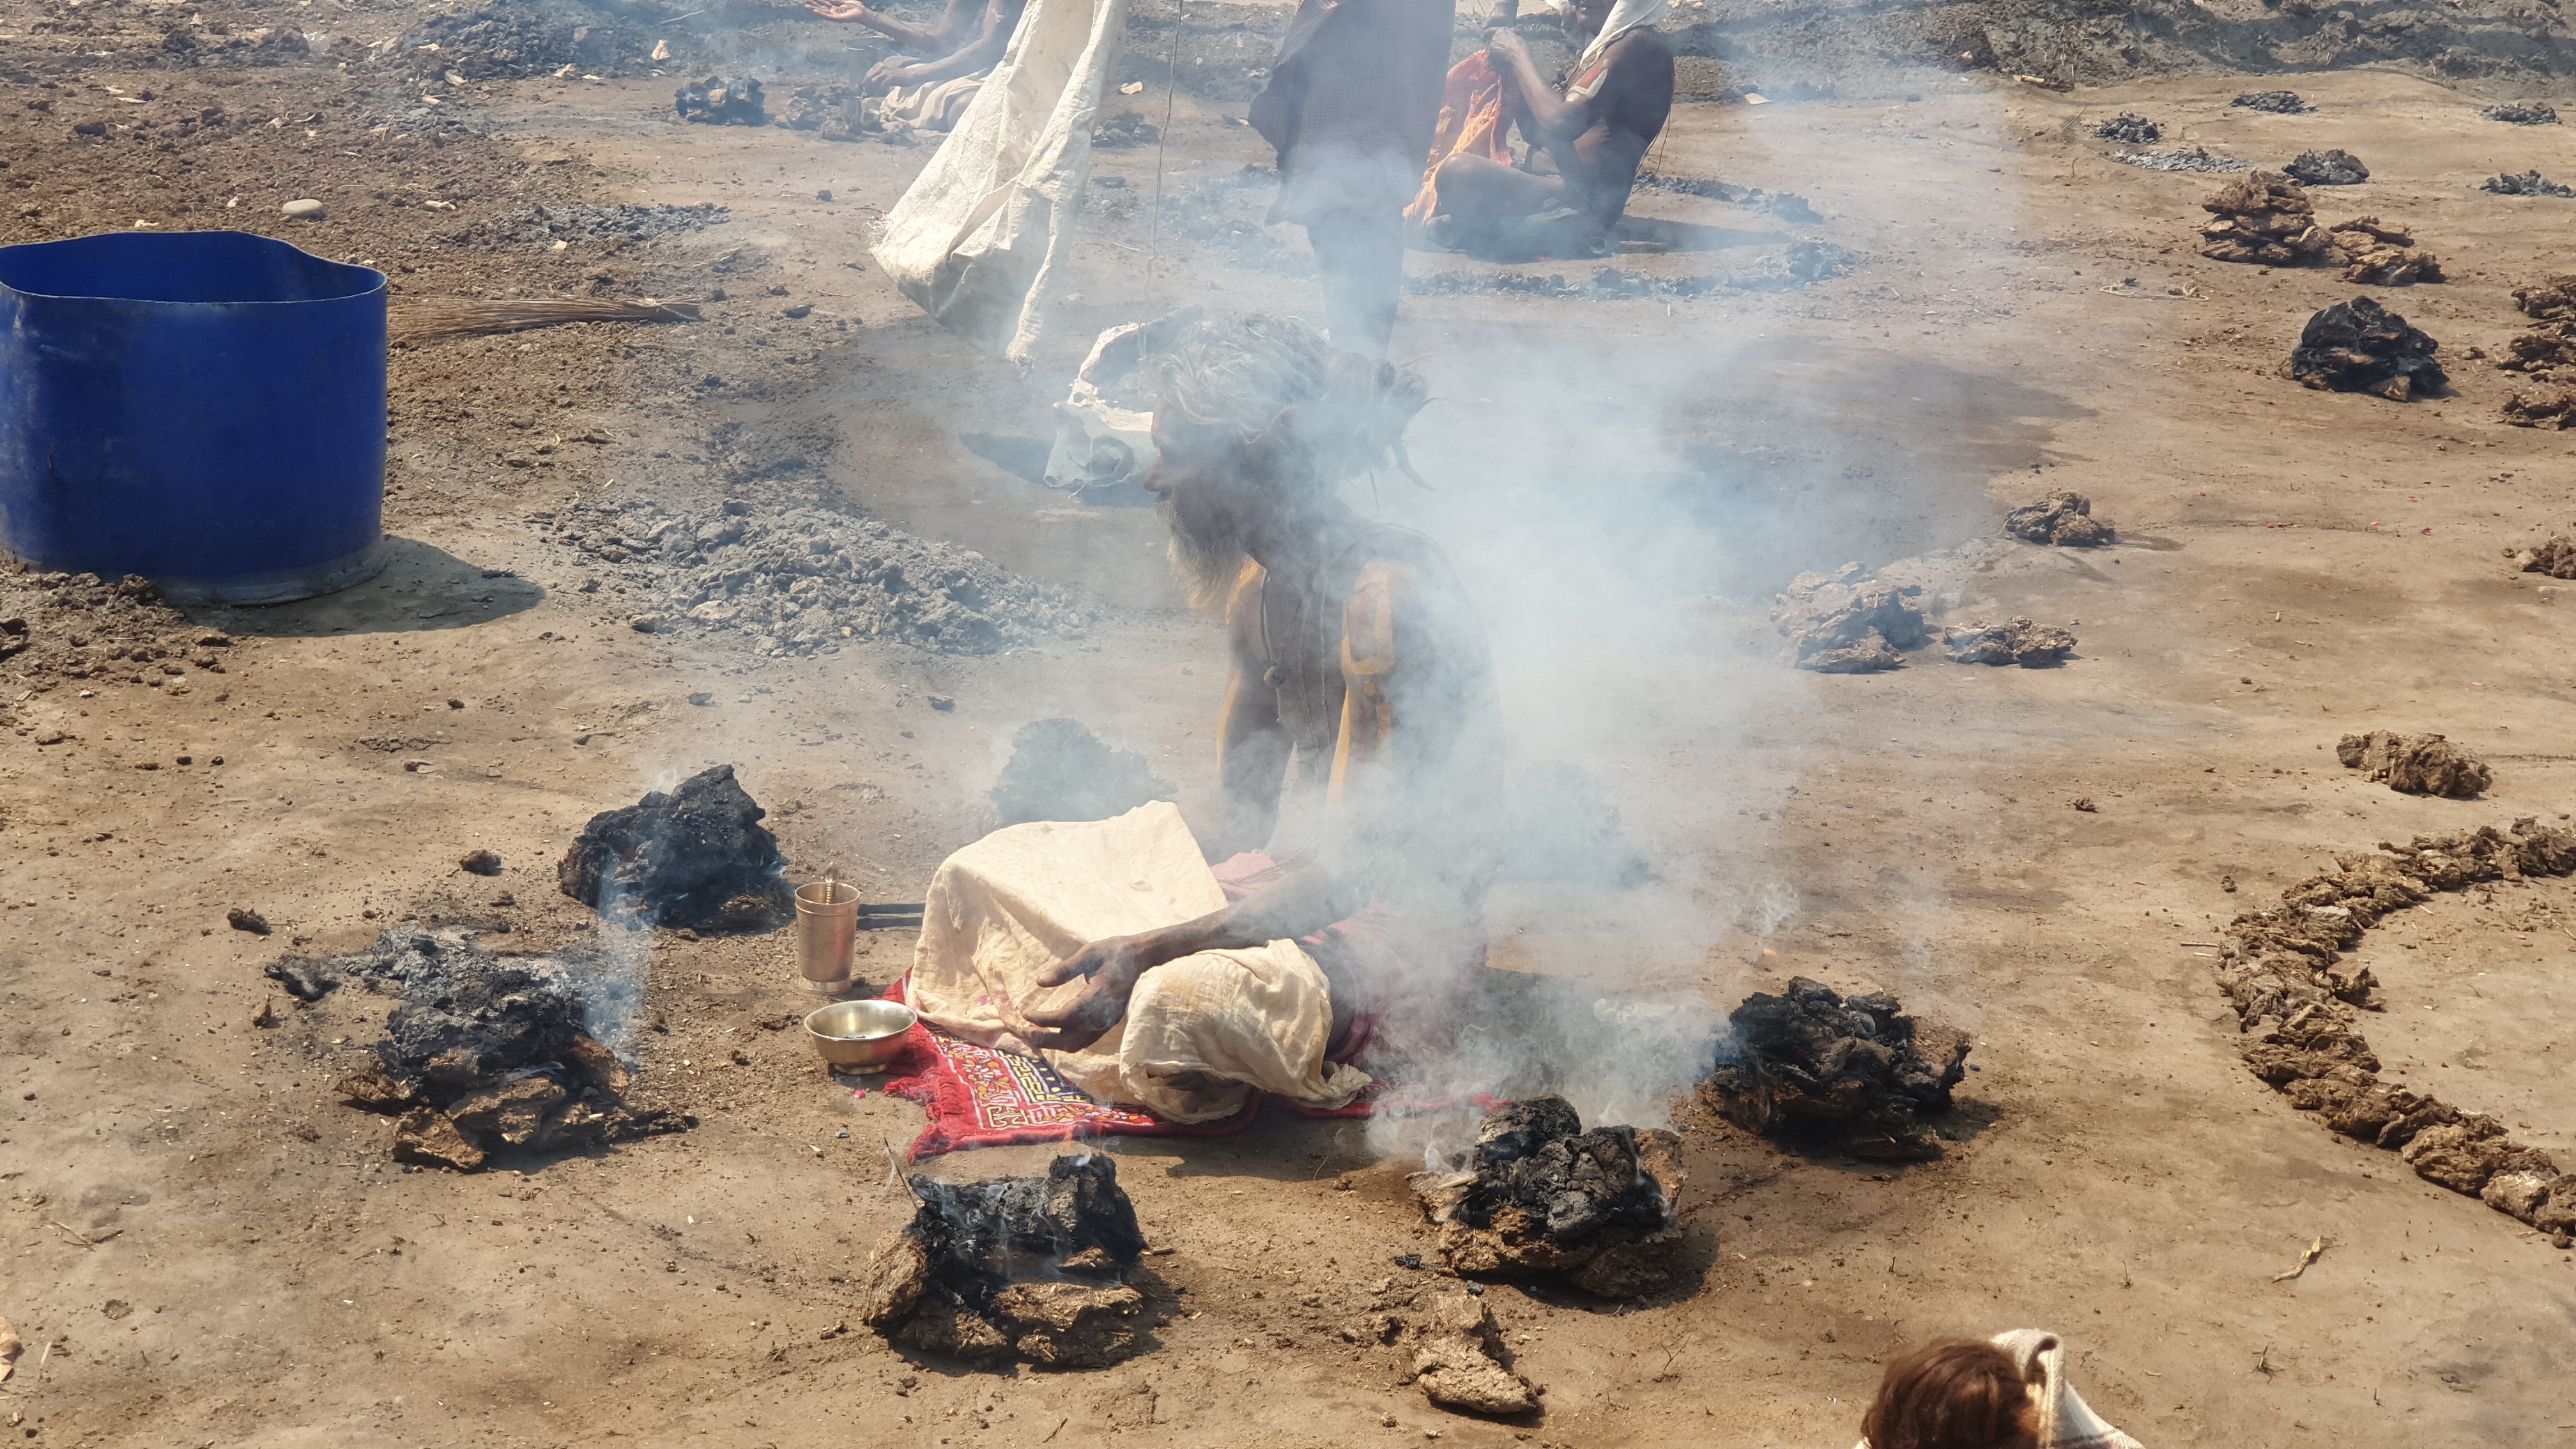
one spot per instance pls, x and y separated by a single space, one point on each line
379 286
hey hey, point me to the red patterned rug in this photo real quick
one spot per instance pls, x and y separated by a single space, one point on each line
979 1097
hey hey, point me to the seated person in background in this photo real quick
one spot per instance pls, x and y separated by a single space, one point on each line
966 43
2009 1392
1586 138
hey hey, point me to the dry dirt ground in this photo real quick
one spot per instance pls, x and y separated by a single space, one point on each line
205 1248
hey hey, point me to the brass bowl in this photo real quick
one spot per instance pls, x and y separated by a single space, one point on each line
860 1036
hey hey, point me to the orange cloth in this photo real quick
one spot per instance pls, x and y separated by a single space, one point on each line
1476 114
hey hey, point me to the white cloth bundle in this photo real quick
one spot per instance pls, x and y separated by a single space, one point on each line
1200 1032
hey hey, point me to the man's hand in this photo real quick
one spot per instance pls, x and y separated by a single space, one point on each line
846 11
1503 45
1108 970
889 73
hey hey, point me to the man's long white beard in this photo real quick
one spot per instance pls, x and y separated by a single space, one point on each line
1206 567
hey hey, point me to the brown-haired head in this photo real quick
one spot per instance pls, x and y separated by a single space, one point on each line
1953 1394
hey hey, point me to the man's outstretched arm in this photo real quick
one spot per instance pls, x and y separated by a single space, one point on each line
1001 17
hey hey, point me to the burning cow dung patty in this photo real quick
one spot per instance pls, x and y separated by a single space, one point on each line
1033 1268
696 857
2015 641
1543 1197
1847 624
484 1054
1060 770
2529 183
2414 764
2523 113
2130 129
2360 346
2064 519
2279 103
1814 1067
2555 559
2327 168
716 101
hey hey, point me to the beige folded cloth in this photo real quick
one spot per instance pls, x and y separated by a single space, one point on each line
1201 1032
930 106
2065 1420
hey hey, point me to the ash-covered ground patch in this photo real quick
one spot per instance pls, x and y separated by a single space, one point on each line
1847 623
2282 970
1540 1197
696 857
57 627
1787 206
801 580
1028 1268
543 226
486 1054
2196 159
517 39
2415 764
1810 1067
1799 264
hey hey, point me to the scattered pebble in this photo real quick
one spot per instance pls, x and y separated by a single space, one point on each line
302 209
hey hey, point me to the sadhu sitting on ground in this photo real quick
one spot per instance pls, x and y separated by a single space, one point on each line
964 46
1586 138
1360 698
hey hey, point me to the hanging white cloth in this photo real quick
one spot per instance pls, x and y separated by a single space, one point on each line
1625 15
981 238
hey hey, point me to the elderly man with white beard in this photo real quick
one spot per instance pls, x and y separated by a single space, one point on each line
1360 695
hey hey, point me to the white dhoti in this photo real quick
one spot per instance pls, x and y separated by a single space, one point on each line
1200 1033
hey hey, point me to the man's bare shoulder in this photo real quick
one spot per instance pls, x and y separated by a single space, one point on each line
1406 584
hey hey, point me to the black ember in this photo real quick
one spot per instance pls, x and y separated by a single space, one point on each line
1812 1066
1015 1267
697 857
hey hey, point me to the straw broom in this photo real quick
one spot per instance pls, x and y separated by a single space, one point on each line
430 317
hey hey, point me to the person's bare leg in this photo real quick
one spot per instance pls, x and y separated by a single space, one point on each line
1480 192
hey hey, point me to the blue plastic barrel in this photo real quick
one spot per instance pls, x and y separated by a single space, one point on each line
206 409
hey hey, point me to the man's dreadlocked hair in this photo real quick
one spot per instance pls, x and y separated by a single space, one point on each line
1310 413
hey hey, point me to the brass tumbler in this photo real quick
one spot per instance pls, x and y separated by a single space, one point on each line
827 934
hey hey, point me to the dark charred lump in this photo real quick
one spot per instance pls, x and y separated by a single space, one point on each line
1015 1267
2360 346
1814 1066
698 856
483 1054
1543 1196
